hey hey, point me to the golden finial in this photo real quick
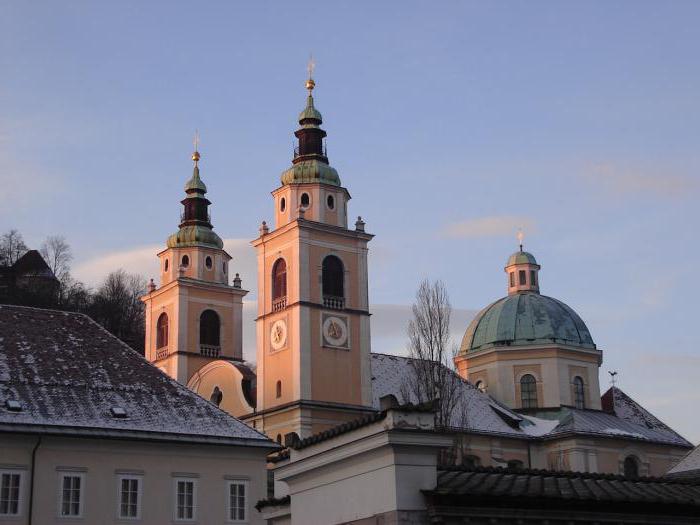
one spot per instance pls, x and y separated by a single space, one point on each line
196 155
521 236
310 84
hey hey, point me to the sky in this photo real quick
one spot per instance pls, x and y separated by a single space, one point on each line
452 125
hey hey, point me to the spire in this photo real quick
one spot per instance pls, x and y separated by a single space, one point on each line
195 222
310 163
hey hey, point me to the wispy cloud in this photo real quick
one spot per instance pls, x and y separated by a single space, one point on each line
492 226
619 180
142 260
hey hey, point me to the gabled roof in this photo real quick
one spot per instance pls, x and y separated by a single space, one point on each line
688 467
33 264
72 377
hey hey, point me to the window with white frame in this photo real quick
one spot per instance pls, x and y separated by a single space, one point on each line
185 499
129 496
72 487
10 486
237 500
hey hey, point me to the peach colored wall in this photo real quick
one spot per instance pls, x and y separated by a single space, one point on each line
317 210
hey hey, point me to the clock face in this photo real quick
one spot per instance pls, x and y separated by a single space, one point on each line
278 334
335 331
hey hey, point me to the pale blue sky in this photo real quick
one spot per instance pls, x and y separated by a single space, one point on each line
450 123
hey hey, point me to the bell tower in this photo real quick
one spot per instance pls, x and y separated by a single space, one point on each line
313 330
194 317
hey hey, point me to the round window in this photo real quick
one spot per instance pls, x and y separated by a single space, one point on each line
207 261
166 265
331 202
305 200
185 261
283 204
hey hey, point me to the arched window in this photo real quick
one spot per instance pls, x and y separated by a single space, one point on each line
166 265
209 328
278 389
185 261
283 204
528 391
631 467
333 277
579 393
279 279
162 331
305 200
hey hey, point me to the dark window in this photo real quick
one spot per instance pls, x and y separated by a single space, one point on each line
333 277
279 279
283 204
481 386
162 331
216 396
305 200
631 467
278 389
166 265
471 462
185 261
533 278
209 328
223 265
512 279
515 464
521 277
279 439
331 202
579 393
528 391
207 261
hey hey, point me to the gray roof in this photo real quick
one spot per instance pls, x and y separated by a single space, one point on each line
689 466
70 376
478 412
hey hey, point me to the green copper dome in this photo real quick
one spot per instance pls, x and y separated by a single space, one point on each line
195 235
521 257
195 184
526 318
311 170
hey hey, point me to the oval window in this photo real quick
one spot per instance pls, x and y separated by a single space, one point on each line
283 204
185 261
167 264
207 261
331 202
305 200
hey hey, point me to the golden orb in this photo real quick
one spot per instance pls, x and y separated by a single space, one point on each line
310 84
195 156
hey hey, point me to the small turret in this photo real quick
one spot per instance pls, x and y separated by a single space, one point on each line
522 270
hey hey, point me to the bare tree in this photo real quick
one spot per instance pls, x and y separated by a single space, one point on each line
117 307
12 247
57 254
431 348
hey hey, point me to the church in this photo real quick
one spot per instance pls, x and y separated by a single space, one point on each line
529 394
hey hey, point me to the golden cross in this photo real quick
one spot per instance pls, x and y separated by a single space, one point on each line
196 140
521 236
311 66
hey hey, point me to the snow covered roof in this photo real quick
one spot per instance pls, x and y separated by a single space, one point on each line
70 376
479 412
689 466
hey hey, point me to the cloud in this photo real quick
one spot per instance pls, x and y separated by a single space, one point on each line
142 260
493 226
617 180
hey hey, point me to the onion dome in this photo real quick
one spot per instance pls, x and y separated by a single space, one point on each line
310 163
195 227
526 319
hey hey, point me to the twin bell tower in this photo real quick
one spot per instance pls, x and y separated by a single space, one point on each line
312 324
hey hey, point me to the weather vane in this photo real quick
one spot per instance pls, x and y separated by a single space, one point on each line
310 68
520 236
613 379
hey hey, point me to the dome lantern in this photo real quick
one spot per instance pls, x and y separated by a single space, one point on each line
522 271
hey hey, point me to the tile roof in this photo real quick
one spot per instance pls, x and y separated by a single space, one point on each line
69 374
340 429
504 484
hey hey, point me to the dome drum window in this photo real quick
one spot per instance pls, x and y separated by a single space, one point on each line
185 261
208 262
283 204
166 265
528 391
330 202
305 200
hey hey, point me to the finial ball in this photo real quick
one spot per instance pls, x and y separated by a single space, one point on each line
195 156
310 84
